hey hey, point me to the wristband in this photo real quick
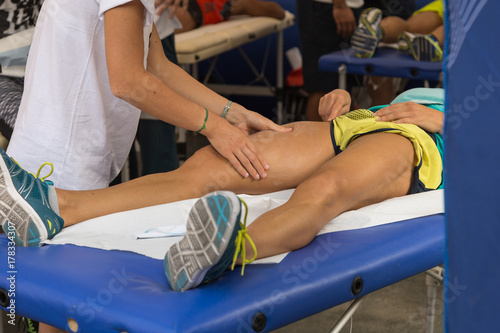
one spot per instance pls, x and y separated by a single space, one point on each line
204 123
226 109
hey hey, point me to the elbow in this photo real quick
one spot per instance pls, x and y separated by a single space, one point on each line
125 84
132 86
120 90
123 87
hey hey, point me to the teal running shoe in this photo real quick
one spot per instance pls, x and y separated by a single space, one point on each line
25 212
421 47
214 238
366 37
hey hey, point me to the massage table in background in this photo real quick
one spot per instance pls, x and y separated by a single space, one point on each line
84 289
386 61
209 41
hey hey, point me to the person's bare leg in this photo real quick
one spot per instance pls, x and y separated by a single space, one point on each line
439 34
381 89
292 157
257 8
313 105
422 23
393 26
373 168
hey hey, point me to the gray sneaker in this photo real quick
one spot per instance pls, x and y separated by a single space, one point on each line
211 244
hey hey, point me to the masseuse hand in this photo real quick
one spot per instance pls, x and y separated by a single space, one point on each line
174 5
250 122
334 104
230 139
426 118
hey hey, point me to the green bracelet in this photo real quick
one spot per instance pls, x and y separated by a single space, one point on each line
226 109
204 123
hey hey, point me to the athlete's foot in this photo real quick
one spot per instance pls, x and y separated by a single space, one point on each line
213 240
368 34
421 47
26 215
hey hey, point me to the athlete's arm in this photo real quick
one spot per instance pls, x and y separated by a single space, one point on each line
424 117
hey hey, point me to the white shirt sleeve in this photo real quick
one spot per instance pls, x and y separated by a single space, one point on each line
149 13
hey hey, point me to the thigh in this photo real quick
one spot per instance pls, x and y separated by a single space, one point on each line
292 157
373 168
424 22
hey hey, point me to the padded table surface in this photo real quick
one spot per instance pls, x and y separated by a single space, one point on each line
210 40
385 62
114 291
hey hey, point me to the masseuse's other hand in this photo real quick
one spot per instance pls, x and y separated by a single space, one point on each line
236 147
174 5
412 113
334 104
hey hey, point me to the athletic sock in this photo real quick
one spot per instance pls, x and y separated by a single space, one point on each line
54 203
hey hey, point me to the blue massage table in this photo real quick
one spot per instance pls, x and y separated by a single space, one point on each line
82 289
386 61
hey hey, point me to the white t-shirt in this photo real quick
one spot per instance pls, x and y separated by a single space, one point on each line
68 115
350 3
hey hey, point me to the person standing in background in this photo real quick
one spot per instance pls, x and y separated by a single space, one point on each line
157 138
326 26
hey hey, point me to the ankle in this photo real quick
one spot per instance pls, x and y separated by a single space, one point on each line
63 205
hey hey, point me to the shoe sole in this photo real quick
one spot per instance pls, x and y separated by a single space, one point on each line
17 217
187 262
363 52
427 48
419 48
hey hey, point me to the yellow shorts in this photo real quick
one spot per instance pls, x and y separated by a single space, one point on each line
435 6
428 165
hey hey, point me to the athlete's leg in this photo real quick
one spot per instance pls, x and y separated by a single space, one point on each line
422 23
439 34
257 8
373 168
292 157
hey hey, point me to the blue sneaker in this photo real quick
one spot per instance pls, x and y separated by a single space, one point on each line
25 213
366 37
421 47
213 240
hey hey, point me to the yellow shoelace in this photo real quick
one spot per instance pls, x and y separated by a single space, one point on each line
39 169
240 243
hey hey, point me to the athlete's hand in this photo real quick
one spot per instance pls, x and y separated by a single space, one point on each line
174 5
334 104
424 117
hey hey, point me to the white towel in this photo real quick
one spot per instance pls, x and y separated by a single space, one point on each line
119 231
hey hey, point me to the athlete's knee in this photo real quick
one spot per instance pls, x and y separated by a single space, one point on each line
326 192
